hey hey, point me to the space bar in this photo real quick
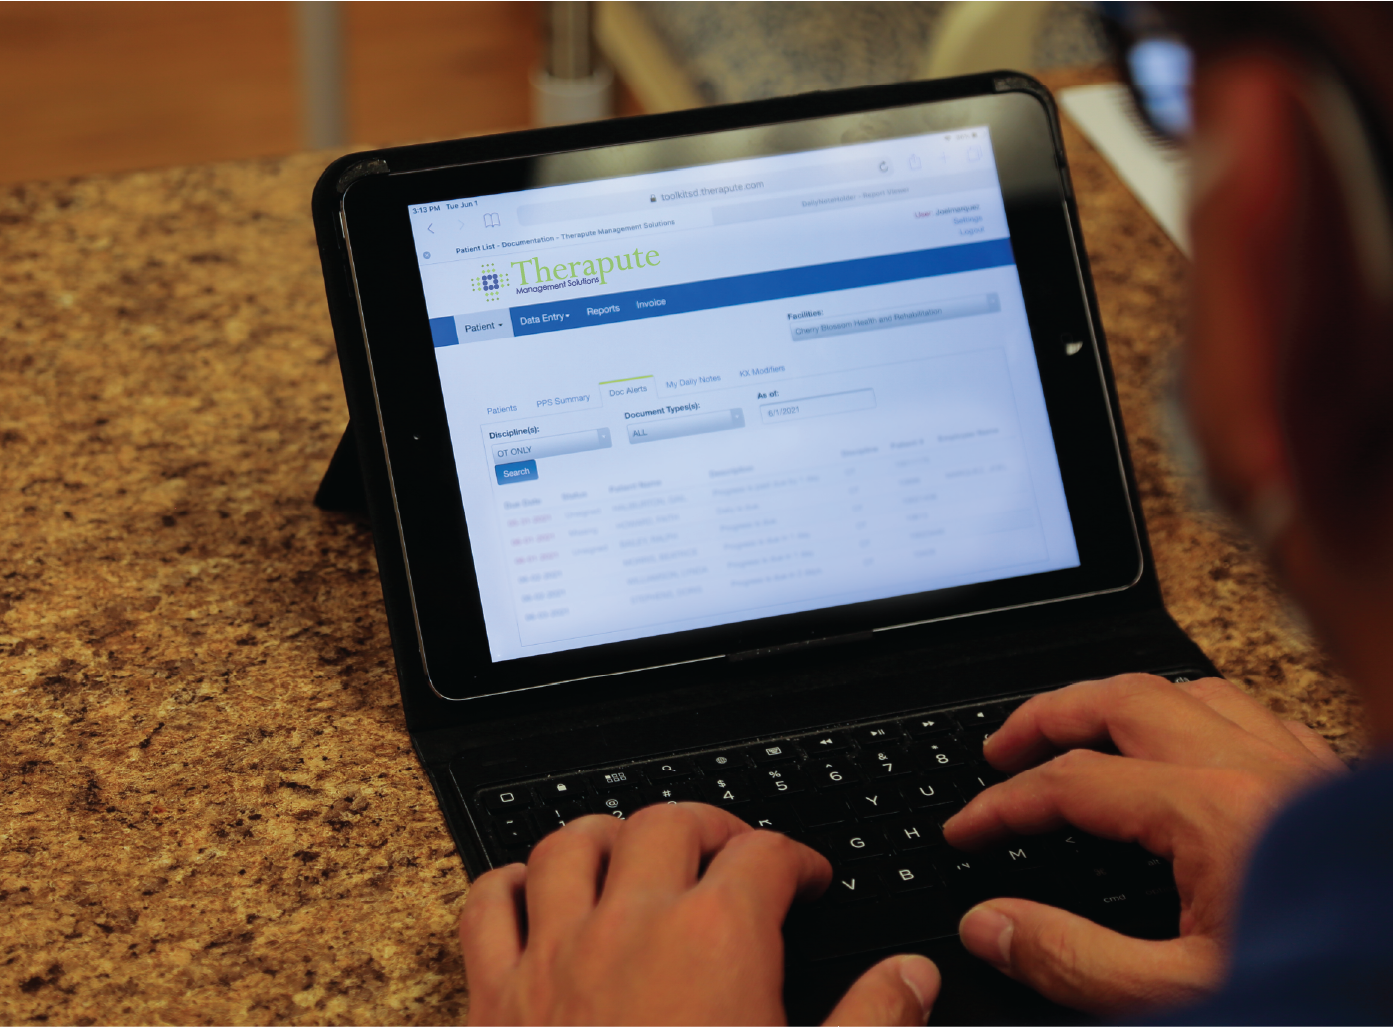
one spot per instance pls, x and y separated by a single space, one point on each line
819 934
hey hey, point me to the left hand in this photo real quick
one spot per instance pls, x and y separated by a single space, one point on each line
671 916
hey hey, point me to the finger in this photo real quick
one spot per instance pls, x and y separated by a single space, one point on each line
1230 702
661 848
1077 963
1318 746
564 874
1141 714
766 871
1114 797
899 990
491 937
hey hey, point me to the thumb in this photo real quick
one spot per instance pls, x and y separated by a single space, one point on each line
1077 963
899 990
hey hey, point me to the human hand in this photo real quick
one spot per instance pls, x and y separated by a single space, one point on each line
1201 769
671 916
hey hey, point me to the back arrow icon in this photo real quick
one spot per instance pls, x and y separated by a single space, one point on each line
430 229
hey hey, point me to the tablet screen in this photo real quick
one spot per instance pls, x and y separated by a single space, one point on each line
709 395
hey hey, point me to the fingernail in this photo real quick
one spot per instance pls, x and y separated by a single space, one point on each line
922 977
988 935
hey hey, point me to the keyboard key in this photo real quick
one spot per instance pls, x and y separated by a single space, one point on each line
942 813
834 772
726 789
561 789
769 818
1067 847
854 886
908 874
974 739
619 805
930 724
878 735
938 753
723 762
1096 877
669 770
829 741
549 818
1019 854
673 792
1132 863
1035 883
867 803
884 761
854 841
987 716
1119 856
819 810
828 930
514 830
505 799
609 780
962 871
975 779
1162 907
772 782
914 831
930 790
1155 870
773 752
1111 906
1180 677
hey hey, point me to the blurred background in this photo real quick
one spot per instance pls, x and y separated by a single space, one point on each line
106 87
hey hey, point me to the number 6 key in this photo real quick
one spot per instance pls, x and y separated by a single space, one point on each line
833 773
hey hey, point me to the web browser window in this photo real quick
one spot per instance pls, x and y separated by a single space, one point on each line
702 396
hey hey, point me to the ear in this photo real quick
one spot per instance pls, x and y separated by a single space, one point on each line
1243 188
1288 372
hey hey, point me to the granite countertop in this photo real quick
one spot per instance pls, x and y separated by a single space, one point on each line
209 810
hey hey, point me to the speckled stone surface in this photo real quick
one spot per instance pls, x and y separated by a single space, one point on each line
209 809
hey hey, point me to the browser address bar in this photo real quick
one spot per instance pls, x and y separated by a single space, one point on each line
703 191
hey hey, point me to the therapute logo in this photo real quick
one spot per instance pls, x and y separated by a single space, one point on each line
489 282
534 276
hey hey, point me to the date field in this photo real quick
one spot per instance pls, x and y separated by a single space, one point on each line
817 406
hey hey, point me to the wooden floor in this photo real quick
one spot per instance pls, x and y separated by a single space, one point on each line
98 87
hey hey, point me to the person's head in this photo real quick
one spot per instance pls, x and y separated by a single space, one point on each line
1287 372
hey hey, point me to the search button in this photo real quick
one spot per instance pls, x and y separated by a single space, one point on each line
511 474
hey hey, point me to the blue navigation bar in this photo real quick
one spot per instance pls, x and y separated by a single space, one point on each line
785 283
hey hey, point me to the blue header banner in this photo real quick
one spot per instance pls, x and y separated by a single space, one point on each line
785 283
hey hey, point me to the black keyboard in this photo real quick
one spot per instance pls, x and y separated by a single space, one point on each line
871 797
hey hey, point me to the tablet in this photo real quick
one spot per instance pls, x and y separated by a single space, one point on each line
709 385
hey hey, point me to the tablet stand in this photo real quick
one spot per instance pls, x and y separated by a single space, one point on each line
341 488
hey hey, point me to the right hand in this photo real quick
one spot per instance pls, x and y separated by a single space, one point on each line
1201 770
